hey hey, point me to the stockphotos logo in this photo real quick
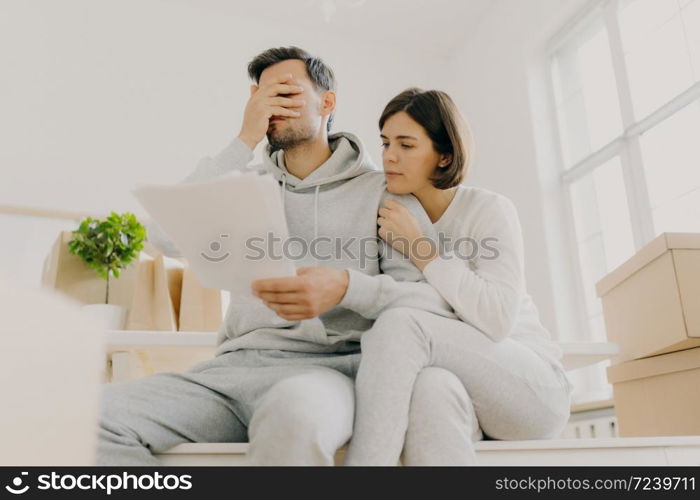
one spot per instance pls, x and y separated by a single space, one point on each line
101 482
17 487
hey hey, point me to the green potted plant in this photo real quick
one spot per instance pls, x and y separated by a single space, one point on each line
108 246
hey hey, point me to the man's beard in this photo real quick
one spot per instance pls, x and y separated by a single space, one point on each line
288 138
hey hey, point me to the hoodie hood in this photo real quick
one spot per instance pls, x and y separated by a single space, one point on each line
348 159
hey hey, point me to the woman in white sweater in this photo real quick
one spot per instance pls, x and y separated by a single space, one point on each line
507 374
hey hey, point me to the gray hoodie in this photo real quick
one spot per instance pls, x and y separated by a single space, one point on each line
336 207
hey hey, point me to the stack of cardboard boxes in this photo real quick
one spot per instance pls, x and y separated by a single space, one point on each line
651 305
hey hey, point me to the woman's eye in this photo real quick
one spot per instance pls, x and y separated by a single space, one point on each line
406 146
385 145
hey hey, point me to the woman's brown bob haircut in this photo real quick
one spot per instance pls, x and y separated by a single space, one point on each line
437 113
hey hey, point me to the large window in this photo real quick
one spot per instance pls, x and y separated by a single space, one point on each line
626 87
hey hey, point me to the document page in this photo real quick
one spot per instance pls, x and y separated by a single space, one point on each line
220 225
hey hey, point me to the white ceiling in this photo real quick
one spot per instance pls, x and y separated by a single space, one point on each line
421 25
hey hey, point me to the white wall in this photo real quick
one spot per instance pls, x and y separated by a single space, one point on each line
103 95
98 96
490 82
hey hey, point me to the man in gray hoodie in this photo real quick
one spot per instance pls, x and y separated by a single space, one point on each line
283 375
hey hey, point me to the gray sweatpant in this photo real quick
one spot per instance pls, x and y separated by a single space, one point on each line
504 390
294 408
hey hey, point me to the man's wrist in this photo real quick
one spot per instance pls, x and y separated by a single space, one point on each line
248 141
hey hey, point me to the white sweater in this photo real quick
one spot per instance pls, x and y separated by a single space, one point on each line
482 277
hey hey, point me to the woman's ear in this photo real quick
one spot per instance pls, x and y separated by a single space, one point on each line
445 160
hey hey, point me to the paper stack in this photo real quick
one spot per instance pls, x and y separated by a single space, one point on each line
220 226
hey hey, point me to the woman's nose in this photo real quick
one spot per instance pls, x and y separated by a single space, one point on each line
389 156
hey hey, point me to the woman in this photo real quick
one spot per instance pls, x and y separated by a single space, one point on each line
499 351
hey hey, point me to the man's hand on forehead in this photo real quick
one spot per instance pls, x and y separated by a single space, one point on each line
279 98
281 85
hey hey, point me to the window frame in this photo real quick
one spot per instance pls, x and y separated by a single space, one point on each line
627 145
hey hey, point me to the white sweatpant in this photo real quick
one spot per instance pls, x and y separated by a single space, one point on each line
503 390
294 408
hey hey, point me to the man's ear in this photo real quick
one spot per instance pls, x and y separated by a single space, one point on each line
253 89
327 102
445 160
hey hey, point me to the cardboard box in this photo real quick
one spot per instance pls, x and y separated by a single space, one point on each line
149 287
69 275
658 396
152 305
651 302
200 307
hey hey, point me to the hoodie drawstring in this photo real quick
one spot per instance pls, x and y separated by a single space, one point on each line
284 187
316 213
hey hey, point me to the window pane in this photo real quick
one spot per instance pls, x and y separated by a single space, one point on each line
586 94
597 323
593 267
671 156
600 206
691 23
682 215
656 52
603 229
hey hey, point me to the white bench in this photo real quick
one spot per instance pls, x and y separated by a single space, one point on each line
652 451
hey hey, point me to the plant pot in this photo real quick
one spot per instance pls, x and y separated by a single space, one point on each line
110 316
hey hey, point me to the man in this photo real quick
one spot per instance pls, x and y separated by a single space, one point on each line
283 375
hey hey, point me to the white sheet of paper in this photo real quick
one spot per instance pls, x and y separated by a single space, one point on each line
222 226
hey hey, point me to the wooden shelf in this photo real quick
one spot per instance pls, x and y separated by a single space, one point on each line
137 338
581 354
132 354
576 354
592 405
